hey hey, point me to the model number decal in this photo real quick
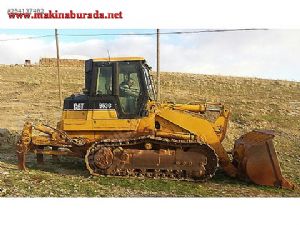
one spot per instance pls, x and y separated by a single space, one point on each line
101 106
105 106
78 106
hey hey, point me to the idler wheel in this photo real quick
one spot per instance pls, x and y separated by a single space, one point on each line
98 159
103 158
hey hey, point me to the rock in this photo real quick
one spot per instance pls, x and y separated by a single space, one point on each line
4 173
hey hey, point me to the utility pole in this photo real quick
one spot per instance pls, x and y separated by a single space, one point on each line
57 64
158 64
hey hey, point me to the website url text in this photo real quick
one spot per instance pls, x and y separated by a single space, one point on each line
42 14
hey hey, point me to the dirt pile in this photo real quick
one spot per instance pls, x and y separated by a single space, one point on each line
8 138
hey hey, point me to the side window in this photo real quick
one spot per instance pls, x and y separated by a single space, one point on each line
129 88
104 80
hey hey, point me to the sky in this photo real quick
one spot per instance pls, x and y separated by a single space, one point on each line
271 54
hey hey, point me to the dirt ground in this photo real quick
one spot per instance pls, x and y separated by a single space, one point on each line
30 94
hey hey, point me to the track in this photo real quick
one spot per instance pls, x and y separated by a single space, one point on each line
155 157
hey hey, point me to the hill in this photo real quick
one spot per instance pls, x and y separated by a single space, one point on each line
30 93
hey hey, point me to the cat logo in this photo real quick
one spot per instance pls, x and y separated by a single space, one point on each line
78 106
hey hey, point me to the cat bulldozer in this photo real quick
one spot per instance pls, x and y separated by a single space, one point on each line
120 129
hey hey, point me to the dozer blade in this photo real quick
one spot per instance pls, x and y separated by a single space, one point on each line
255 157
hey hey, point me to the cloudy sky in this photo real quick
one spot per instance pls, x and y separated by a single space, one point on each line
261 53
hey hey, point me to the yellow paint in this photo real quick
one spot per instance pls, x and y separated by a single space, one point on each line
70 114
176 135
97 120
116 125
104 114
221 123
76 124
147 124
191 108
192 123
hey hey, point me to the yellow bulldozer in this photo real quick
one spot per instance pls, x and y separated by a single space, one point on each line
119 128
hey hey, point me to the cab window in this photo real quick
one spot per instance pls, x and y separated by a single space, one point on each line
129 87
104 80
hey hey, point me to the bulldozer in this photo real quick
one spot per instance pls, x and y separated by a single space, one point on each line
119 128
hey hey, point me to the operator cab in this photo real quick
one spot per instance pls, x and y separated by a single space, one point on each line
121 84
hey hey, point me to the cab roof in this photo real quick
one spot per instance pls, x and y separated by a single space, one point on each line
116 59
